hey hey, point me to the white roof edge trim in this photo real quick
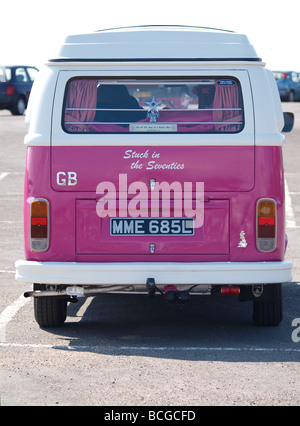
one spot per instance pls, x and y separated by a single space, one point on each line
116 62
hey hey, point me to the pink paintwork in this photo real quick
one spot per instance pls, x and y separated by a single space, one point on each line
221 168
234 179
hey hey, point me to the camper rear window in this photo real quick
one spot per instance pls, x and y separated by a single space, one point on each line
204 105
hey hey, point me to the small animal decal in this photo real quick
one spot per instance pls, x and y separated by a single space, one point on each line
243 242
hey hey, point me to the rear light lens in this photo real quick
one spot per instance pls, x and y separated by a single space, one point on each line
10 89
230 290
266 225
39 224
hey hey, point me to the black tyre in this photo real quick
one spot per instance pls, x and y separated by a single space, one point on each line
292 96
269 313
19 108
50 311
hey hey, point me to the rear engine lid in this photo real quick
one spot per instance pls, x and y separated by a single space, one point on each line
152 235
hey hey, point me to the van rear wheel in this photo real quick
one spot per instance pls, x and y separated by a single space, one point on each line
50 311
269 313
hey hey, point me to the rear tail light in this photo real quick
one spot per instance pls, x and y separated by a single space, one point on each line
10 89
230 290
39 224
266 225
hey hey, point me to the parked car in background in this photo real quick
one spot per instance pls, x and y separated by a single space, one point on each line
15 86
288 83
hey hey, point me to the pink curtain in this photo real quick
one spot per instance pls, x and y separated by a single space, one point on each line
227 96
81 94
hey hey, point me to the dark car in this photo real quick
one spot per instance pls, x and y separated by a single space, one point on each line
288 83
15 86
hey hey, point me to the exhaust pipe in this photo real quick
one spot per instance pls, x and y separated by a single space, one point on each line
74 291
172 294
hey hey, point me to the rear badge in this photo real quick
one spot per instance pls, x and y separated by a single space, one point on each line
153 113
152 184
243 242
152 248
226 83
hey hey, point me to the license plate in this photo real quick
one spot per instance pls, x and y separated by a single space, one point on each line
151 226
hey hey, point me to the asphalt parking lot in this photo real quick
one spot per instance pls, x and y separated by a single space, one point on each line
132 350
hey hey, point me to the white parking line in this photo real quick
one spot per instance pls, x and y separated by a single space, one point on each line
209 349
10 222
6 194
12 173
8 313
3 175
148 348
289 212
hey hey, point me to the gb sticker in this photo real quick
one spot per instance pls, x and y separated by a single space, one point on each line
66 179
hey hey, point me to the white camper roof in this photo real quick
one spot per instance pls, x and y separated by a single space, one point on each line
158 43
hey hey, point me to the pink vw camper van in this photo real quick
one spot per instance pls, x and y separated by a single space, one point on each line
154 164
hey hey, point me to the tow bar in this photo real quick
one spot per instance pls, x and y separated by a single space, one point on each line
170 292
